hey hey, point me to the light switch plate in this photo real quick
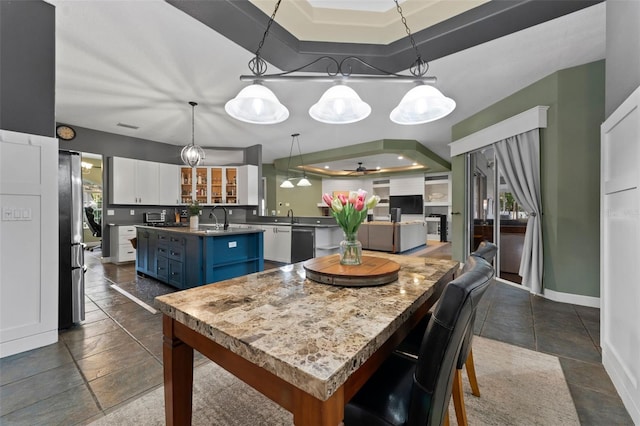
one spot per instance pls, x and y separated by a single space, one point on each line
233 244
132 212
111 212
7 213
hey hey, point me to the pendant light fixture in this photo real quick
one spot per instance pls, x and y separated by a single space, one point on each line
192 154
340 104
287 184
304 181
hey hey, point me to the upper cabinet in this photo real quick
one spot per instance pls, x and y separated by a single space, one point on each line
220 185
133 181
169 189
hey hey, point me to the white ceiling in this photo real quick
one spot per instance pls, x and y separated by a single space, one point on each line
140 62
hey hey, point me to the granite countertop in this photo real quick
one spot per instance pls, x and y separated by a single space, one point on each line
205 230
309 334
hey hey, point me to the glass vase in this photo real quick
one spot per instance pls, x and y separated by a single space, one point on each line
350 249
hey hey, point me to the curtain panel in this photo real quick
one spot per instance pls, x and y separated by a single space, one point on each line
519 158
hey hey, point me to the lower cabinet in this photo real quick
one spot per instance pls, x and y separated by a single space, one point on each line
121 248
184 261
277 243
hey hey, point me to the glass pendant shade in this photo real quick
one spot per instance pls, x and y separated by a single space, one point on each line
340 105
286 184
304 182
257 104
192 155
422 104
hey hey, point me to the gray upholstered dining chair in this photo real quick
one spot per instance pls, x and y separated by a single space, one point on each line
411 345
405 391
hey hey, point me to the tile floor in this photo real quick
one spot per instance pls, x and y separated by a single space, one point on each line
116 354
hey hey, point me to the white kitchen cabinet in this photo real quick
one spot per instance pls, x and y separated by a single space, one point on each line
133 181
169 190
121 248
146 183
277 243
248 185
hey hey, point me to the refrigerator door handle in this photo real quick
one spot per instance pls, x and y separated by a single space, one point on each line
77 255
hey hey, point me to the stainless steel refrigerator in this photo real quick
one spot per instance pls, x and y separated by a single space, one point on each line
71 250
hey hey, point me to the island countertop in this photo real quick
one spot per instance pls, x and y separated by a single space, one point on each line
205 230
311 335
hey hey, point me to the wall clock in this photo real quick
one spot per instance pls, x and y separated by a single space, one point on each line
65 132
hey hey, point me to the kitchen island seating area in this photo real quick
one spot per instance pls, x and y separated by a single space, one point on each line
409 391
307 346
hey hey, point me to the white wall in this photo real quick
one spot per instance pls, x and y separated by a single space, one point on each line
28 242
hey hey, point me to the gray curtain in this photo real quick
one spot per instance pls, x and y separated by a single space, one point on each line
519 158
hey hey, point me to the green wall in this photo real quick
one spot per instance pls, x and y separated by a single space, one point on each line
303 200
570 172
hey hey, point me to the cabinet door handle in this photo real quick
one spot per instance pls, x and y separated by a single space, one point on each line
455 212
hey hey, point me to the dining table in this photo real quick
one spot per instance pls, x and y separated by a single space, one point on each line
306 345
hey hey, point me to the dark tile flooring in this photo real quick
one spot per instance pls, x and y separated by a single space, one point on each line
116 354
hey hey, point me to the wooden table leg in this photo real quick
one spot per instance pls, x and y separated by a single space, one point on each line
310 411
177 359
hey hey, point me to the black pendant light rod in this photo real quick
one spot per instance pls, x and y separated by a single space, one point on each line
339 71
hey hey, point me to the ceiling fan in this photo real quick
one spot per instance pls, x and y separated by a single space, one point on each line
360 170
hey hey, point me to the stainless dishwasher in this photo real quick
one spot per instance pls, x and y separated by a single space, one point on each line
303 243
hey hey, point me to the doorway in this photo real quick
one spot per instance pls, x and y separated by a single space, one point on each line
493 214
92 183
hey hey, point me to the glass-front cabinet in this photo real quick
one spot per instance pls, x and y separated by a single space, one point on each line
217 190
186 184
219 185
231 188
201 186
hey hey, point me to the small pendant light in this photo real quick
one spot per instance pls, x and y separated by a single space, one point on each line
192 154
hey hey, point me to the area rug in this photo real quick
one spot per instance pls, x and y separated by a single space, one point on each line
518 387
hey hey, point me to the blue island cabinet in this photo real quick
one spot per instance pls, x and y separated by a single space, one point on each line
229 256
185 259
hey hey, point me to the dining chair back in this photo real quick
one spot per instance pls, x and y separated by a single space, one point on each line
443 339
409 392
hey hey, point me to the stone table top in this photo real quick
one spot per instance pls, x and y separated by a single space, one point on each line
311 335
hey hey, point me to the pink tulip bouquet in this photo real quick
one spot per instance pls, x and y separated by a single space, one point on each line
350 211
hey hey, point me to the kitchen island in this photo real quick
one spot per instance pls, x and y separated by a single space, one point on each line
185 258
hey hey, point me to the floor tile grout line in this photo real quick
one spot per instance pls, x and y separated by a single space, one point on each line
84 378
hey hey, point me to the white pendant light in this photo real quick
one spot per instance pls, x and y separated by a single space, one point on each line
340 104
257 104
192 155
303 182
286 184
422 104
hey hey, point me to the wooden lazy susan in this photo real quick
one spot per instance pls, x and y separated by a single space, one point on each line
372 271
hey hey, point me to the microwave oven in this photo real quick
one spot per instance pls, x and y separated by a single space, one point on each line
153 217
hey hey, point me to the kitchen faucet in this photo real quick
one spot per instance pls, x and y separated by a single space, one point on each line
226 218
290 214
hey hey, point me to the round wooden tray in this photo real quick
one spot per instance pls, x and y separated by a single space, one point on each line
373 271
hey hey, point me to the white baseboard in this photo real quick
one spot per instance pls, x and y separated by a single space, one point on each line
574 299
622 383
556 296
27 343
